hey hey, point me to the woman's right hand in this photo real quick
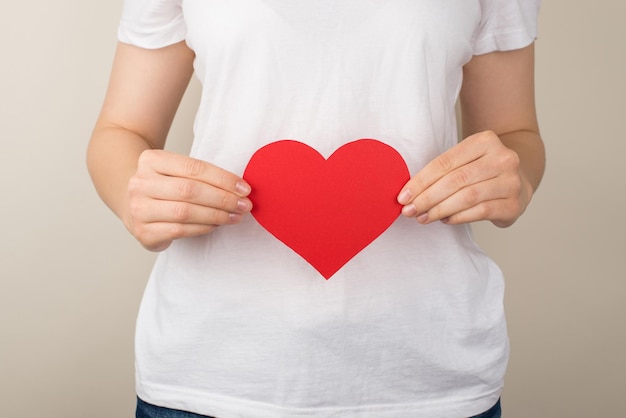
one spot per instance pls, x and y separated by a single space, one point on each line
159 195
172 196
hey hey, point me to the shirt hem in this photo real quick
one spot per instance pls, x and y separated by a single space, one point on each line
221 406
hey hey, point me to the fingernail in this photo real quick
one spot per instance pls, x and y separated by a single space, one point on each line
445 220
422 218
244 205
405 197
409 210
243 188
234 217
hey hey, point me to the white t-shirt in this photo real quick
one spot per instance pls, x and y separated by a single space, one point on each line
235 323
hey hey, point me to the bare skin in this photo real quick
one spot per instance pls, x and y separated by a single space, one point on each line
493 173
161 196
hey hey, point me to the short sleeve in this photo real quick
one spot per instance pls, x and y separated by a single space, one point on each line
152 23
506 25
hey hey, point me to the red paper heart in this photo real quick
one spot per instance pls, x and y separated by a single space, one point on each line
327 211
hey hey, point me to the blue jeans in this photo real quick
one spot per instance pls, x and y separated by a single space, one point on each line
146 410
494 412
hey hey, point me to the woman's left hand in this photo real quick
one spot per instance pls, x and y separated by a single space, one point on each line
478 179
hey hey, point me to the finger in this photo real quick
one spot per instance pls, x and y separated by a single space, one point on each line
465 152
157 236
149 211
443 164
454 182
487 210
188 190
474 195
176 165
466 198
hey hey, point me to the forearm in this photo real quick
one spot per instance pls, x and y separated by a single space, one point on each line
498 95
529 147
112 158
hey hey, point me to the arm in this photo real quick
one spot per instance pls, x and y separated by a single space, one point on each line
158 195
493 173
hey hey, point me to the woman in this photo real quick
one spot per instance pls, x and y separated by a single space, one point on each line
233 322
